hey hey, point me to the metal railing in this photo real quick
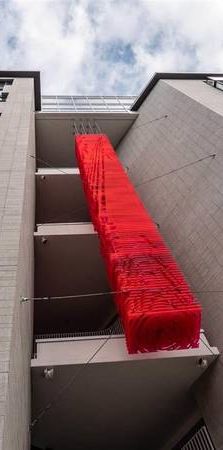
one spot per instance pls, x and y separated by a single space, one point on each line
85 103
116 329
86 126
198 438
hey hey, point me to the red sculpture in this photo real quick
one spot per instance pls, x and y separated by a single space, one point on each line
157 308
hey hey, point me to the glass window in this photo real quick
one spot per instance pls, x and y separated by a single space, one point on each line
216 82
211 82
3 96
219 85
8 82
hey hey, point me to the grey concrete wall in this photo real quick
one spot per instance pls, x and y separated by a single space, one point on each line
17 141
69 203
187 204
114 406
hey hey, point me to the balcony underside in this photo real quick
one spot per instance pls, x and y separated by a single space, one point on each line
69 264
118 401
54 134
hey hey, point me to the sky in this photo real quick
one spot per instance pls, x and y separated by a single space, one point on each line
109 47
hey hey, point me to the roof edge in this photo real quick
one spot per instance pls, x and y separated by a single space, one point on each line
26 74
169 76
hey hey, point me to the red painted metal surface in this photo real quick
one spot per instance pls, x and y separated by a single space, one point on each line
155 303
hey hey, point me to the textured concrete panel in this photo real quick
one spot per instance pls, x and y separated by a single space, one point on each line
115 406
201 92
187 204
60 197
17 140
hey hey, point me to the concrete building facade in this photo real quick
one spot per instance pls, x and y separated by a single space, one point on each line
17 171
187 203
67 381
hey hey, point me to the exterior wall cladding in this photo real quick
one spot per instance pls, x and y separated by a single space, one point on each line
17 140
188 204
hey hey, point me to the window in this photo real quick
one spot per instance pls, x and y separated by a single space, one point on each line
216 82
219 85
3 83
3 96
9 82
6 82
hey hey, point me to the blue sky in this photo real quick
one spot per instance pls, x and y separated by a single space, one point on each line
109 46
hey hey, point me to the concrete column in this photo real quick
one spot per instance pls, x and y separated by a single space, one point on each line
17 168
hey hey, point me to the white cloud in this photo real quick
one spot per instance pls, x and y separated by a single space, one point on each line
108 47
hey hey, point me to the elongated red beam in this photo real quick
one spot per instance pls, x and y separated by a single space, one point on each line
157 308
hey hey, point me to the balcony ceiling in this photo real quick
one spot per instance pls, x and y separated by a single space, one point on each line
54 133
118 401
